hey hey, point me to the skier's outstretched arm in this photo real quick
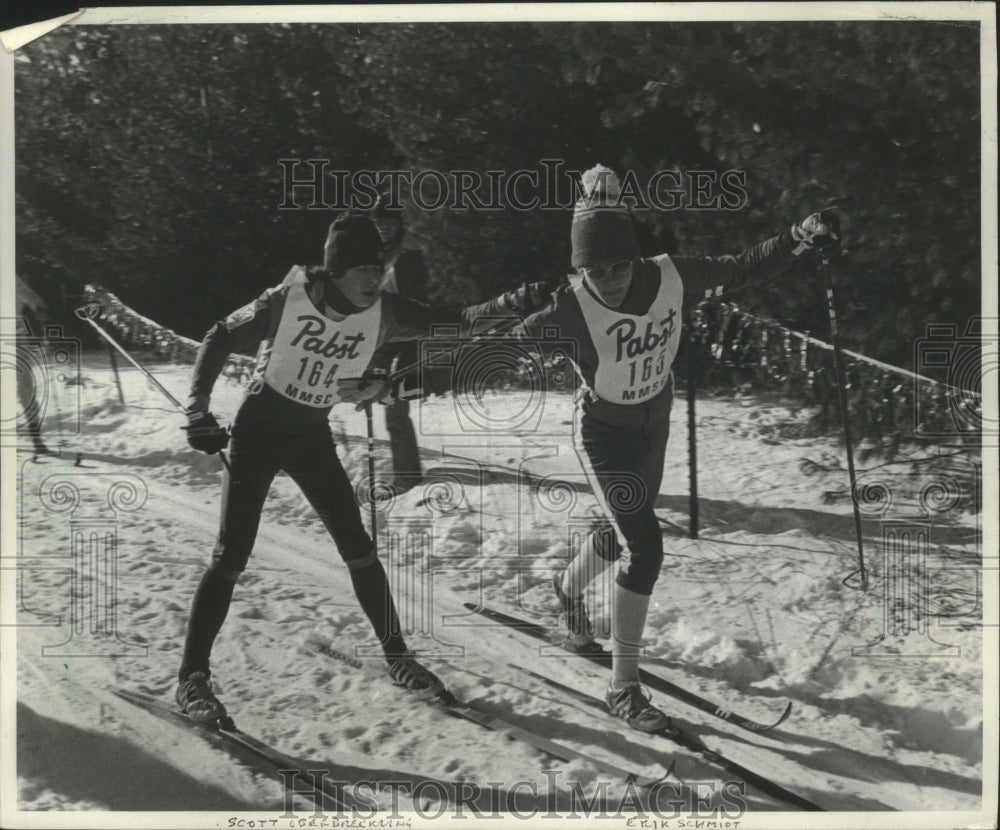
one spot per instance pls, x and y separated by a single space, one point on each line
408 319
404 318
703 275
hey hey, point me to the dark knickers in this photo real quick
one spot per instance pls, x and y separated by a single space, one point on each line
628 470
310 458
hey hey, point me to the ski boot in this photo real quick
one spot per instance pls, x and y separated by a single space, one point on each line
575 621
633 705
406 672
198 701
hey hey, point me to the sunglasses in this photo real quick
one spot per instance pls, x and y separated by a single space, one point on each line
603 272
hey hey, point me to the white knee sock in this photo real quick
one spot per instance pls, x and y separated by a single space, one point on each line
628 619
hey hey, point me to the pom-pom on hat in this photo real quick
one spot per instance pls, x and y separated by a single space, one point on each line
352 240
602 230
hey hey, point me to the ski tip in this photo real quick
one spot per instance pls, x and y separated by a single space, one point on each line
666 773
762 728
648 783
784 716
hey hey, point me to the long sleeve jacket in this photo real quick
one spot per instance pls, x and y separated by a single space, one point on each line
623 356
303 347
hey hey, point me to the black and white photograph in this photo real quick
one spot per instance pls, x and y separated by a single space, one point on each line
532 415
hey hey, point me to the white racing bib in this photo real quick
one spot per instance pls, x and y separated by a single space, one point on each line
634 352
311 352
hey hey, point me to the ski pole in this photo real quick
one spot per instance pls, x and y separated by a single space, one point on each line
838 364
371 472
90 311
692 389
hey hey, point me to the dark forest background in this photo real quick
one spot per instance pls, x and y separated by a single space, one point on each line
147 156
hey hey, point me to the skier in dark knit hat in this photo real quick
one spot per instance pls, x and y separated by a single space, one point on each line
318 337
624 313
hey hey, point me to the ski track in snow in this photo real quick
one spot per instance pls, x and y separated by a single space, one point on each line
752 614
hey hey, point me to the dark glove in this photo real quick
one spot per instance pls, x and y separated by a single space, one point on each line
205 434
528 298
819 232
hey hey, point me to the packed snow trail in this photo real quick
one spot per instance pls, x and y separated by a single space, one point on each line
751 614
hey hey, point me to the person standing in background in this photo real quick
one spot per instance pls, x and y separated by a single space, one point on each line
30 311
406 275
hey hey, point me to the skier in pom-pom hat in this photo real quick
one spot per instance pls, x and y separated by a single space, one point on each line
625 312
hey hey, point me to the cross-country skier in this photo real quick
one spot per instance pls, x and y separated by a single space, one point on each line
316 335
625 314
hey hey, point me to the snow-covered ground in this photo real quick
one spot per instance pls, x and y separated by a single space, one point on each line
887 684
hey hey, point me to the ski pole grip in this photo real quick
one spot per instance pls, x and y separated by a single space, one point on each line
90 311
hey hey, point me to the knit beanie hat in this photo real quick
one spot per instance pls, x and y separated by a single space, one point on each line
602 228
352 240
